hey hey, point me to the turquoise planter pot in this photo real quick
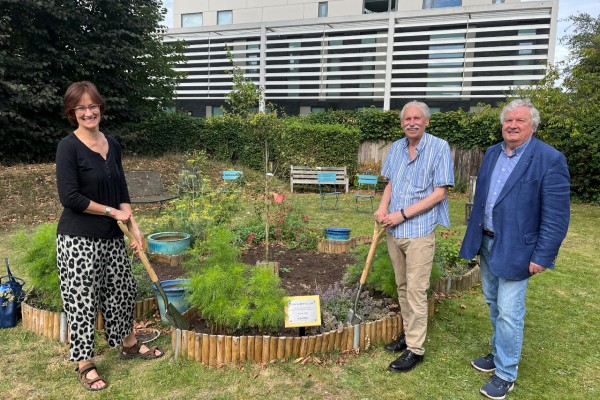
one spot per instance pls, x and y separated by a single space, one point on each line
337 233
175 290
169 243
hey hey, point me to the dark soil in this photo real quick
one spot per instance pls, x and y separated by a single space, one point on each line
300 270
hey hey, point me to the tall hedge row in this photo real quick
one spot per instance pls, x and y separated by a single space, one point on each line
318 145
333 138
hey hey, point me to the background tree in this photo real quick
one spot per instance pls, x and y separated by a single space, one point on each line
244 97
45 46
570 109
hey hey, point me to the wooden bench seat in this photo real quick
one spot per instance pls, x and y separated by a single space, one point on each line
303 175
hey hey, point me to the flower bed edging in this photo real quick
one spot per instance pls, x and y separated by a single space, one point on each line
48 324
458 283
219 350
341 246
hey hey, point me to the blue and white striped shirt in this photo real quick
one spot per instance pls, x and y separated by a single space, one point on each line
413 180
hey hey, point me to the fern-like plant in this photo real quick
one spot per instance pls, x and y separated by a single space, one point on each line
38 256
232 296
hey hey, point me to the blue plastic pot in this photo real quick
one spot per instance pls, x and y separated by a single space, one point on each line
169 243
337 233
175 290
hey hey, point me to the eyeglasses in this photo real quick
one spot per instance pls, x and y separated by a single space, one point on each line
92 107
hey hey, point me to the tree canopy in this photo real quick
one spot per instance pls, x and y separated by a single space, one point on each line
569 102
47 45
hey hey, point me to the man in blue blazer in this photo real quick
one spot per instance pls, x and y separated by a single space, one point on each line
520 217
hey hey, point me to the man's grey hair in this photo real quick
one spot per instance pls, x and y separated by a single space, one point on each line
513 105
424 108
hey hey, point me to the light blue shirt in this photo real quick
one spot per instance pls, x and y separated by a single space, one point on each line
502 170
413 180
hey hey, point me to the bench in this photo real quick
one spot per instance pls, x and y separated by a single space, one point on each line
302 175
146 186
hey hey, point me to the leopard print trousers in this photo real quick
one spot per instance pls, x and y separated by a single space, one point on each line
95 272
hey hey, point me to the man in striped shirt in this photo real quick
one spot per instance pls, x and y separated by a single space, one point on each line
419 169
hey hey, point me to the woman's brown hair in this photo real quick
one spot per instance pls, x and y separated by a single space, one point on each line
75 92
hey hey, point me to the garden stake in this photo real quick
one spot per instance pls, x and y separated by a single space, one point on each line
353 318
171 313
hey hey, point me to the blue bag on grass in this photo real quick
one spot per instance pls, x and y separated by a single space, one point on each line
11 296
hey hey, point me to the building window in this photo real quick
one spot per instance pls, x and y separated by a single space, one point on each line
441 3
314 109
225 17
254 58
378 6
217 111
191 20
497 1
322 9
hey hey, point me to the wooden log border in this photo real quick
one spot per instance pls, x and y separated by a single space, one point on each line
47 323
341 246
220 350
458 283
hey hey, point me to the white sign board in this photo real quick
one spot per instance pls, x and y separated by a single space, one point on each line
302 311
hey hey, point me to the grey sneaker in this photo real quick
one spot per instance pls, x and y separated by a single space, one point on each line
496 388
484 364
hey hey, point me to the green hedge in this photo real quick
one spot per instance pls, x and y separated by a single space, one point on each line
311 144
333 138
167 132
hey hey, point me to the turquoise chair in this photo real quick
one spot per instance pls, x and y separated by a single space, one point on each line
328 188
232 179
366 187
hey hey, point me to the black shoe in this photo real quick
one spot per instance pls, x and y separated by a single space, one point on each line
407 361
397 345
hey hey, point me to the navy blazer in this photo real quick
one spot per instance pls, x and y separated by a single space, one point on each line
531 215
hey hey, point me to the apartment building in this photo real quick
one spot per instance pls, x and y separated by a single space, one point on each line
312 55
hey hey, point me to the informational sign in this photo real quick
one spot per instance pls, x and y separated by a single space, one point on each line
302 311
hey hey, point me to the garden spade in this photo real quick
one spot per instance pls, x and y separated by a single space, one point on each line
353 318
172 315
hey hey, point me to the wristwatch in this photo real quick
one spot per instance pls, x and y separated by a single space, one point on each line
107 210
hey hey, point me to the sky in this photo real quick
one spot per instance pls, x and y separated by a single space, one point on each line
566 8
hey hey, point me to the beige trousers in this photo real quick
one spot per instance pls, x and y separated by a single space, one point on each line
412 260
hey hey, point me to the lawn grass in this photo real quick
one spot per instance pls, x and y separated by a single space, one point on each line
561 351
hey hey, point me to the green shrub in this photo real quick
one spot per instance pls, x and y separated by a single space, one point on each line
166 132
38 256
317 145
230 295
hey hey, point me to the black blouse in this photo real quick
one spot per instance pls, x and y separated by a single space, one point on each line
83 175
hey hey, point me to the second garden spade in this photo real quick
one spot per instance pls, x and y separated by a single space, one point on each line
353 318
172 315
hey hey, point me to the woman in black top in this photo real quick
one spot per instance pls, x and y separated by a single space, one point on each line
94 268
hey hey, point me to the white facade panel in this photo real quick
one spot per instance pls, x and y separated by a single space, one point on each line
247 15
218 5
344 8
443 56
287 12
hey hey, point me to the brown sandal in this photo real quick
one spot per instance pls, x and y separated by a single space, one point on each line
86 382
128 353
